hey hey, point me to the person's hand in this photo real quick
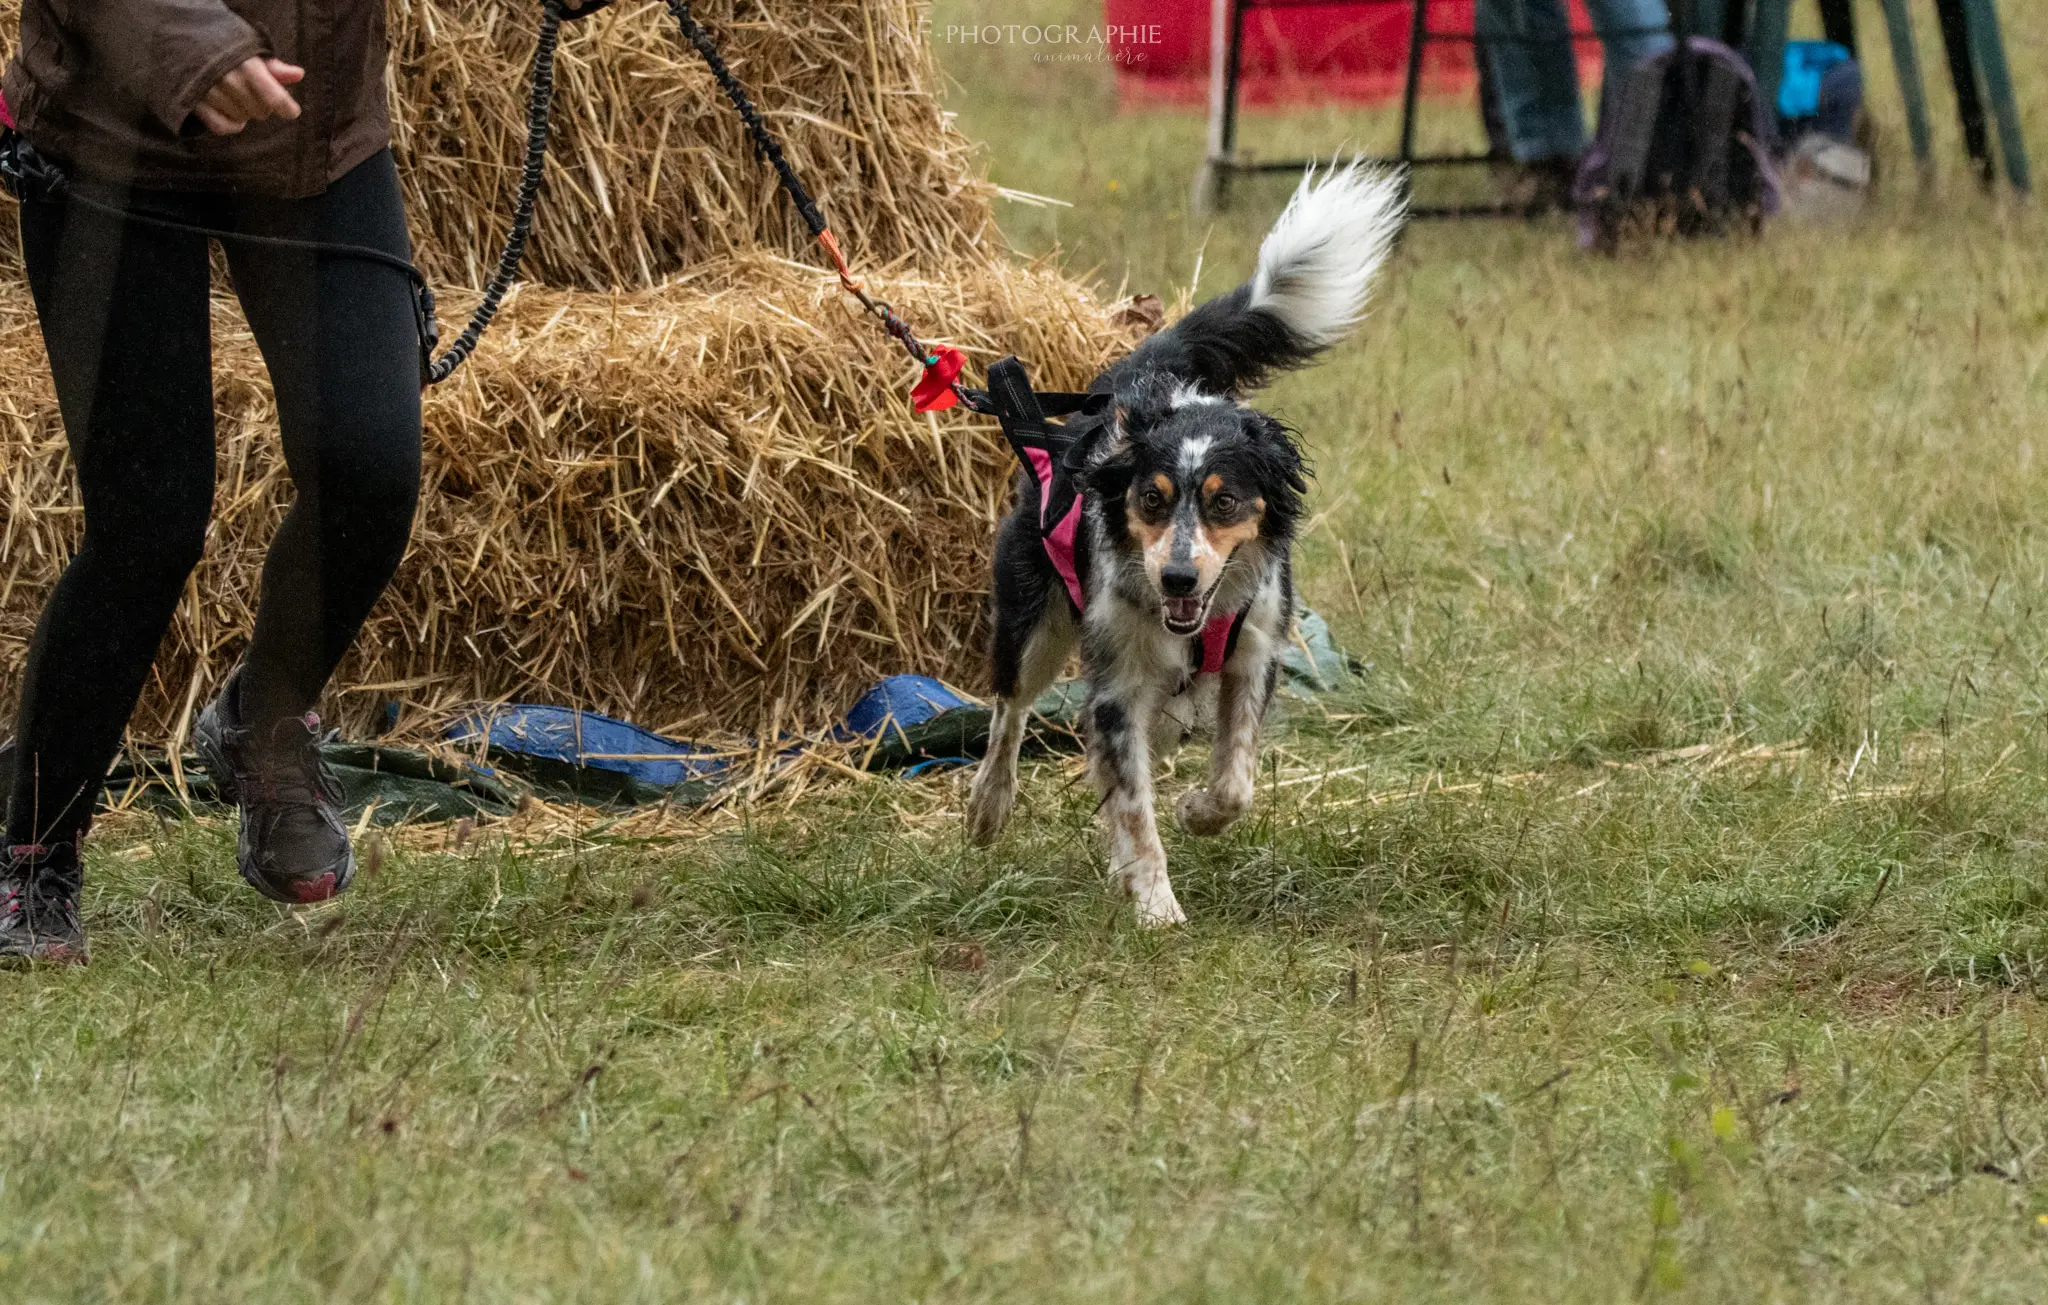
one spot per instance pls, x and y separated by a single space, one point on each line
251 92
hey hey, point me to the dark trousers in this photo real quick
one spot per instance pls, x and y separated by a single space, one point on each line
124 312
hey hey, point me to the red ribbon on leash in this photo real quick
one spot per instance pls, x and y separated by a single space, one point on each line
938 389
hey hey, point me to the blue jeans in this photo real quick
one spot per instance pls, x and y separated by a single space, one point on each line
1533 65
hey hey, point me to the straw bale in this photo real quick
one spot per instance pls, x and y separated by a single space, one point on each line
703 507
679 482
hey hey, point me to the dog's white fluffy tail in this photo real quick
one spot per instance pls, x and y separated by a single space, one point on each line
1315 270
1317 263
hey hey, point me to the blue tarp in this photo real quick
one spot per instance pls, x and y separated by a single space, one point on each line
914 722
586 739
900 701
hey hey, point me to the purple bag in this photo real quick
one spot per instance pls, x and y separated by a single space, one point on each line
1686 149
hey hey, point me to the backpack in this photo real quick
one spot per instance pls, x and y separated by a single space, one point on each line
1685 150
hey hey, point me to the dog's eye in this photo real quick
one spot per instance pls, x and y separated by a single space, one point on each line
1224 503
1152 500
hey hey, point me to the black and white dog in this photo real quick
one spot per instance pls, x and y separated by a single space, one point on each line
1180 565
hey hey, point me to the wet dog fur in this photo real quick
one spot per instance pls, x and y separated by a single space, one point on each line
1192 501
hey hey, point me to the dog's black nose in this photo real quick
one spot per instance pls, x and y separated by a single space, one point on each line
1177 581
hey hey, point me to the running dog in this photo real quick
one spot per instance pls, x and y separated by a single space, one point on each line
1175 565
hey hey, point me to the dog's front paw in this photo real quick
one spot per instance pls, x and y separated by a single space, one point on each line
988 808
1151 892
1206 815
1157 907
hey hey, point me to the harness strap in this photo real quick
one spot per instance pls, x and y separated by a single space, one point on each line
1043 450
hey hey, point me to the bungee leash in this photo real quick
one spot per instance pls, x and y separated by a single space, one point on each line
29 175
938 389
540 103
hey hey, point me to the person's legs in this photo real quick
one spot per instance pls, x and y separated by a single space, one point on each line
339 338
124 318
1631 31
1528 43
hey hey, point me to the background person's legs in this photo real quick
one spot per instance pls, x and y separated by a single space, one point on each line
1528 44
1633 30
124 319
339 339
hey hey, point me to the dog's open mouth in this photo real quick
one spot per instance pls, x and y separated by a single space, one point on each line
1184 615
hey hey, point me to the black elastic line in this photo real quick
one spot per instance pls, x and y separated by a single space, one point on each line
539 107
766 145
764 140
539 103
335 248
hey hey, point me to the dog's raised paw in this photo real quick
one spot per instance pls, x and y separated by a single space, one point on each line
1203 814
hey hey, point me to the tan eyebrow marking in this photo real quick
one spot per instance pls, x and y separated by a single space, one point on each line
1212 484
1164 484
1228 539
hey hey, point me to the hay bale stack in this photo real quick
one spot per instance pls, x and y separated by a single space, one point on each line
695 498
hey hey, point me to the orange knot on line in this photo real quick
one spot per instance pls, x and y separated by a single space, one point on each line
831 244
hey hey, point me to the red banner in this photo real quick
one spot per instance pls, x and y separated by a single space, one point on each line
1354 52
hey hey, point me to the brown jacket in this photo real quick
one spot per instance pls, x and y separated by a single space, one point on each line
108 87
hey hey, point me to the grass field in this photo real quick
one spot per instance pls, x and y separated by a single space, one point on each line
1664 918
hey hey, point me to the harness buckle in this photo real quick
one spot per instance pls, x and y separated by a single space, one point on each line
428 326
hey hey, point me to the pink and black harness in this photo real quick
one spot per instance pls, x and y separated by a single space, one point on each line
1046 451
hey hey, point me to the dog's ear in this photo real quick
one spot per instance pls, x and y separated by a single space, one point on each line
1278 465
1276 449
1103 458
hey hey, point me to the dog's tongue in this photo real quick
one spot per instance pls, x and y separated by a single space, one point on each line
1183 611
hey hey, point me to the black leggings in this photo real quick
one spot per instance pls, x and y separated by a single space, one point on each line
125 320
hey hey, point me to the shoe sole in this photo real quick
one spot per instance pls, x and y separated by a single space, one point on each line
316 890
295 892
